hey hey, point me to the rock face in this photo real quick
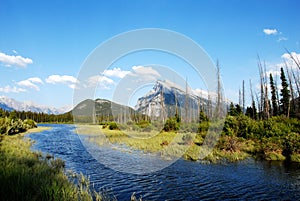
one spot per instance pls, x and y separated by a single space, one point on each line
10 104
166 99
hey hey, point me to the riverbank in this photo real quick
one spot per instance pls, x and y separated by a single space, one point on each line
28 175
187 145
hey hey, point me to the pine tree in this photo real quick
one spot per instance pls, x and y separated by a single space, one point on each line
273 96
285 94
232 110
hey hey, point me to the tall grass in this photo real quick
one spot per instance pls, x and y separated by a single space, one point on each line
27 175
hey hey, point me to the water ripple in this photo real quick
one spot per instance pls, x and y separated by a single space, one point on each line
183 180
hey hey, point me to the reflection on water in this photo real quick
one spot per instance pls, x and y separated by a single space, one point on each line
183 180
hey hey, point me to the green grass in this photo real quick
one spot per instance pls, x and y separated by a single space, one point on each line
188 145
27 175
166 144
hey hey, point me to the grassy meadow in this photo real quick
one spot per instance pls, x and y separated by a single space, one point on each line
241 138
28 175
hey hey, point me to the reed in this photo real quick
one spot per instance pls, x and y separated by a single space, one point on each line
27 175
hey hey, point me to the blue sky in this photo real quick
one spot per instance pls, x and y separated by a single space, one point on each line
44 43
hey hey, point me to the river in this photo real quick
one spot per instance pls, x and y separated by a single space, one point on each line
182 180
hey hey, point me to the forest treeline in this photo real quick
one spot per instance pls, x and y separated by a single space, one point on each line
39 117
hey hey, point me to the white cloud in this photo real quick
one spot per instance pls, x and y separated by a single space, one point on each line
145 73
270 31
288 56
31 83
62 79
289 59
115 72
12 60
282 38
35 80
15 51
101 81
274 72
9 89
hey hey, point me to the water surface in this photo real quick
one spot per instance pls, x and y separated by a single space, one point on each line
183 180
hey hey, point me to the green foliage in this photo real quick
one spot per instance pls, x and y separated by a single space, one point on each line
11 126
13 115
273 96
235 110
113 126
26 175
29 123
203 117
171 125
285 93
291 144
143 124
251 111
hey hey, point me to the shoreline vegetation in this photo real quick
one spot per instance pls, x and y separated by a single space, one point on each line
275 139
267 129
29 175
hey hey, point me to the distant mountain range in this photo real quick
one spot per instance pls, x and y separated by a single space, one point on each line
10 104
164 100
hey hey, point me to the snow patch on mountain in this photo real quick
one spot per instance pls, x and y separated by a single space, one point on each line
10 104
166 97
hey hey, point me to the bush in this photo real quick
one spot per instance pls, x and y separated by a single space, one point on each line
143 124
291 144
29 123
230 126
203 127
113 126
13 126
171 125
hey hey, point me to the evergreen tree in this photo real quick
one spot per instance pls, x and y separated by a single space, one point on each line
254 114
238 109
203 117
232 110
285 94
273 96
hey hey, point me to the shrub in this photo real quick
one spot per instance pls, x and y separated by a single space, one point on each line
171 125
230 126
143 124
29 123
113 126
291 144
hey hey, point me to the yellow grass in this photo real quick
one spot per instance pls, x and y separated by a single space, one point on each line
167 144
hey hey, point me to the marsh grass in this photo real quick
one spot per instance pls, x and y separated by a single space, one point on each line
188 145
166 144
27 175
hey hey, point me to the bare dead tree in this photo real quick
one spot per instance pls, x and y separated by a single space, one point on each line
243 96
295 59
277 92
162 106
261 105
240 97
252 98
266 97
219 108
292 105
297 82
186 102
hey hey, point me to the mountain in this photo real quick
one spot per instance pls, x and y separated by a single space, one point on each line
10 104
166 99
101 110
